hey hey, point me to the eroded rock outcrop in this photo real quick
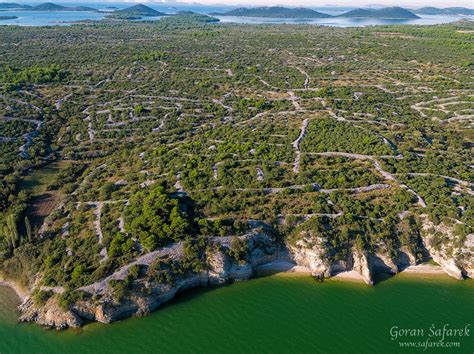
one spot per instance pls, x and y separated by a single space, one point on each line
310 253
450 251
145 294
364 266
49 315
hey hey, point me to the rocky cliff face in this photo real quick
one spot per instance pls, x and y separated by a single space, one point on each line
364 266
454 254
308 252
49 315
312 256
456 260
146 295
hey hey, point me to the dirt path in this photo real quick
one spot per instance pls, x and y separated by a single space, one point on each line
387 175
101 286
294 100
458 181
296 145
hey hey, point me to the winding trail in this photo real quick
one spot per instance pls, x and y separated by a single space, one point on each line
387 175
294 100
304 217
296 145
458 181
307 77
101 286
60 102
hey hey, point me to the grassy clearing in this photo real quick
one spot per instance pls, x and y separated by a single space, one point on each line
38 182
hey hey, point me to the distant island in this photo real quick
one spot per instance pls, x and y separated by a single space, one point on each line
179 19
284 12
2 18
135 12
13 6
187 17
139 11
49 6
445 11
383 13
274 11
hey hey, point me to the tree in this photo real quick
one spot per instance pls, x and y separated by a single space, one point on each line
10 231
238 249
138 109
155 218
77 273
29 232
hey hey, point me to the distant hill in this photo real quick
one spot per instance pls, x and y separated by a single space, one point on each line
274 11
445 11
2 18
80 8
12 5
383 13
135 12
188 17
429 11
195 16
49 6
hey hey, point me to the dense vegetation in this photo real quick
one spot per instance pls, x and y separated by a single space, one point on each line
274 12
121 138
135 12
385 13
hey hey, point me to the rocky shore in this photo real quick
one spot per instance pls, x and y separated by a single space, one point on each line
264 255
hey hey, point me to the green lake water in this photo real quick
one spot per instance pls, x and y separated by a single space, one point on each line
275 314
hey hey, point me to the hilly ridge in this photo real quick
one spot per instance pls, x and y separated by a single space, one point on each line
274 11
284 12
13 6
445 11
49 6
383 13
135 12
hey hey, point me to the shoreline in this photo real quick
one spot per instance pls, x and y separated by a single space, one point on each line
424 269
350 275
280 268
20 291
289 268
276 268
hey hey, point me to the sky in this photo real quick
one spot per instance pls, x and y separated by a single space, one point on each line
289 3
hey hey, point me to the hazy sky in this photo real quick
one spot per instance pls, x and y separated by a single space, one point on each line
313 3
290 3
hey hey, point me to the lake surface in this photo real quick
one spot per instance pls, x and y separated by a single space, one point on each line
342 22
276 314
44 18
